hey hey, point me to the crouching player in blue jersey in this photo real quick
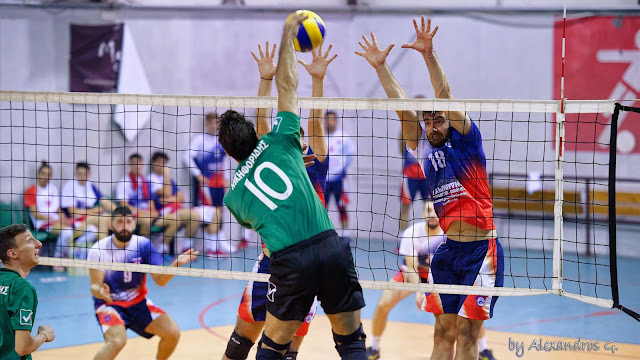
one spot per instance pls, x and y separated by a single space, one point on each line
120 297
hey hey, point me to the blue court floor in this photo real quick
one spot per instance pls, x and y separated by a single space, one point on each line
65 302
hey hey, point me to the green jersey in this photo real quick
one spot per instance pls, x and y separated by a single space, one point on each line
18 303
271 193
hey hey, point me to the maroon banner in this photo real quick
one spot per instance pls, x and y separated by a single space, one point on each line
96 52
602 62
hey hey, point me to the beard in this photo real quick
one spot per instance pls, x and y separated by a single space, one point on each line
124 236
437 140
433 224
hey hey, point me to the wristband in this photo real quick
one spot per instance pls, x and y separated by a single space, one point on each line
45 336
265 78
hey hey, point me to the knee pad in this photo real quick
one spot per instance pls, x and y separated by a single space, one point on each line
291 355
238 347
351 346
272 344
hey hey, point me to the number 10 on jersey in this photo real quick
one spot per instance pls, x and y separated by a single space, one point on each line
262 190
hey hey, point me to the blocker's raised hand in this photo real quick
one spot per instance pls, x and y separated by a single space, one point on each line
424 37
266 62
372 52
318 67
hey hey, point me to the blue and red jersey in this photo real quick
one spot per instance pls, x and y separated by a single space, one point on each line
457 178
127 288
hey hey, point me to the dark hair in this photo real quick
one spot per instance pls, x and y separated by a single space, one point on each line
8 238
236 135
82 164
301 132
43 164
134 156
121 211
330 112
159 155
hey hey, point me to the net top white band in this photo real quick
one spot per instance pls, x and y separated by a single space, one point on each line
521 106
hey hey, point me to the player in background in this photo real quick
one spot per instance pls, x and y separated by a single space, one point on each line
448 146
120 297
252 310
417 245
19 253
342 152
82 201
133 191
209 166
413 182
269 188
169 201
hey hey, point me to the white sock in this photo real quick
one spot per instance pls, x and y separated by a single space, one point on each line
210 242
225 244
482 344
375 342
83 242
63 242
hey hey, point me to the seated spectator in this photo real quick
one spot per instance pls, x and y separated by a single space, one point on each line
169 201
43 202
82 201
133 191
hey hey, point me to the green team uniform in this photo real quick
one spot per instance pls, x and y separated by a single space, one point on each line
18 302
271 193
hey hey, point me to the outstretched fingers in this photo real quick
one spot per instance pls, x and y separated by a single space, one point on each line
388 49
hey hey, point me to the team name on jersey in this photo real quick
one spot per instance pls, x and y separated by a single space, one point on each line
447 189
4 290
244 170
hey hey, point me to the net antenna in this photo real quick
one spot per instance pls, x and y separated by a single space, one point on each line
559 188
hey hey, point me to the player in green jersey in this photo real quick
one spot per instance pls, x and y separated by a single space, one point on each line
18 299
271 193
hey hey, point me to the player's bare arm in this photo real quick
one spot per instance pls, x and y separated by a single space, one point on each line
424 45
287 69
267 70
377 58
26 344
182 259
99 289
413 276
318 69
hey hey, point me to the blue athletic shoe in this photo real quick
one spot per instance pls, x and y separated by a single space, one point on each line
486 354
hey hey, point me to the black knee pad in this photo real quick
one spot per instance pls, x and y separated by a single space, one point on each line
272 344
351 347
238 347
291 355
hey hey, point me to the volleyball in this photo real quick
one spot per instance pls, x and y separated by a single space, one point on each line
311 32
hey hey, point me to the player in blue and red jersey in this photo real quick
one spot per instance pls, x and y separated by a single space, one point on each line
449 148
120 297
253 310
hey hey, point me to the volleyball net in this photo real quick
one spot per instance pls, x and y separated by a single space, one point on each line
552 191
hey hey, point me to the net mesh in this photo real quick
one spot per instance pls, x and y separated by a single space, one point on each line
519 138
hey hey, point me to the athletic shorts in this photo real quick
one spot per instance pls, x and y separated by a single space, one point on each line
217 195
321 266
253 305
401 275
335 190
136 317
476 263
410 187
206 213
